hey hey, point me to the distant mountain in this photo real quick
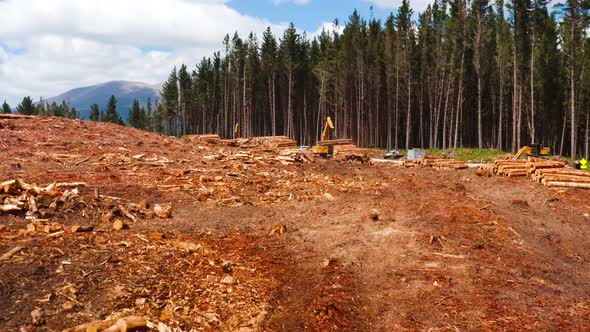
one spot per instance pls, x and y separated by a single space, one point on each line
124 91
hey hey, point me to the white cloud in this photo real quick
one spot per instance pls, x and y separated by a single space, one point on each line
48 47
328 27
297 2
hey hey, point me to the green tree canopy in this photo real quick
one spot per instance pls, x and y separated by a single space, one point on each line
26 106
6 108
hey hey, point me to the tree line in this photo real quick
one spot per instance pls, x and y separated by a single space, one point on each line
479 73
146 117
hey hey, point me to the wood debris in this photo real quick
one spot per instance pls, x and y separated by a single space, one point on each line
11 253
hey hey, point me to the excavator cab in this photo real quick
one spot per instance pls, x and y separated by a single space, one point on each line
534 150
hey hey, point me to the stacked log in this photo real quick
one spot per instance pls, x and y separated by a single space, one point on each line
348 151
451 164
435 162
410 163
551 173
535 164
343 141
510 168
562 177
269 142
428 161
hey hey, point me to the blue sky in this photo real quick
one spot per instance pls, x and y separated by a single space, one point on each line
308 16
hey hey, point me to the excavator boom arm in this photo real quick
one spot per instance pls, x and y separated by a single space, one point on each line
329 125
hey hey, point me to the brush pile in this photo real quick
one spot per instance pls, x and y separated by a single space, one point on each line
16 196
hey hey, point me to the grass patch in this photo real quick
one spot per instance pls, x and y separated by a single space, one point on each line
465 154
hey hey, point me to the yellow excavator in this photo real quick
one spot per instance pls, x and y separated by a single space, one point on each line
324 150
534 150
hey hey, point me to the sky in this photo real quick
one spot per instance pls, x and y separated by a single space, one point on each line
49 47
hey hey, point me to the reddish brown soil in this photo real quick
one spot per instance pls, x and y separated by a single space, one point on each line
449 251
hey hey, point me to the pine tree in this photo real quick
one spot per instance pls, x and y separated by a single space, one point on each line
94 113
134 118
268 59
289 55
26 107
185 98
170 102
41 107
479 13
6 108
111 114
575 23
149 119
405 31
73 114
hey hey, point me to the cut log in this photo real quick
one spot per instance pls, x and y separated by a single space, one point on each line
567 184
565 178
126 213
119 224
343 141
11 253
127 324
562 171
98 325
81 229
10 208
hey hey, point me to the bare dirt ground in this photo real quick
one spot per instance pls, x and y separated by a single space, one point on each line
323 246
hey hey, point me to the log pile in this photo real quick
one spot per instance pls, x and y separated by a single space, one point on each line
267 142
562 177
436 163
513 168
453 164
551 173
333 142
536 164
510 168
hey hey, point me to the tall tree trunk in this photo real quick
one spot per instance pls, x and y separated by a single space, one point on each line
409 115
515 96
289 104
479 112
501 109
532 125
396 118
573 90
